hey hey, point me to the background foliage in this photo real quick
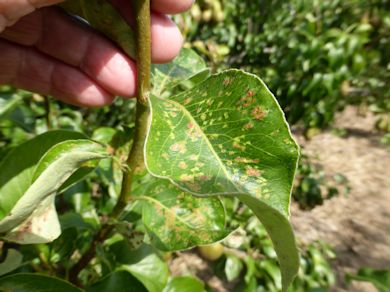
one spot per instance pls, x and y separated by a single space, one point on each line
316 56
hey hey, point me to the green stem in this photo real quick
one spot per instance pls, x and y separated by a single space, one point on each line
144 55
135 160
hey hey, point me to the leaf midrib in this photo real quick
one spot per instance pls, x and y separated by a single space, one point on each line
188 114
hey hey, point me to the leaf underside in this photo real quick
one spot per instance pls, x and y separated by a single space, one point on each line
27 197
17 168
102 16
228 136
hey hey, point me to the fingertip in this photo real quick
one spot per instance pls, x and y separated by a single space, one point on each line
90 98
166 39
93 97
171 6
110 68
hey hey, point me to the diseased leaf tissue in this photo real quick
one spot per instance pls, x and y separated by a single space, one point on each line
225 135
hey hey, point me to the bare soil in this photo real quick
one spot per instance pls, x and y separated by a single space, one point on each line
358 225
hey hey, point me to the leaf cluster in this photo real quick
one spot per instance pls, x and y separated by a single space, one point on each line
203 137
317 56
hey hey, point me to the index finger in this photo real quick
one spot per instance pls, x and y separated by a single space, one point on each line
171 6
160 6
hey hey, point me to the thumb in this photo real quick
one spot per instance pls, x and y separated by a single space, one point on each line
12 10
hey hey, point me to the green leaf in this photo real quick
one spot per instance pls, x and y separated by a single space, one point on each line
35 283
233 267
144 264
104 135
117 281
12 261
28 197
379 278
18 166
282 236
228 136
186 65
102 16
184 284
8 102
79 175
176 220
73 220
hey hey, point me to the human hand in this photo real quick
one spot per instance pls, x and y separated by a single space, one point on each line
44 50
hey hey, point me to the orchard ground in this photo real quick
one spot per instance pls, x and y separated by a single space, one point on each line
356 225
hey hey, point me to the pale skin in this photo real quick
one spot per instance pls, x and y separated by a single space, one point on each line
46 51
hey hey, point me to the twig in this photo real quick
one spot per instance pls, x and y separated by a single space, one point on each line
102 234
135 160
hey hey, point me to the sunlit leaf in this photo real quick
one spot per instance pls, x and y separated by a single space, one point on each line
176 220
184 284
233 267
184 66
103 135
228 136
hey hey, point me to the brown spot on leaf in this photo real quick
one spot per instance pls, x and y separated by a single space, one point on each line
227 81
110 149
179 147
252 172
258 113
248 126
236 145
193 186
183 165
204 178
187 100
